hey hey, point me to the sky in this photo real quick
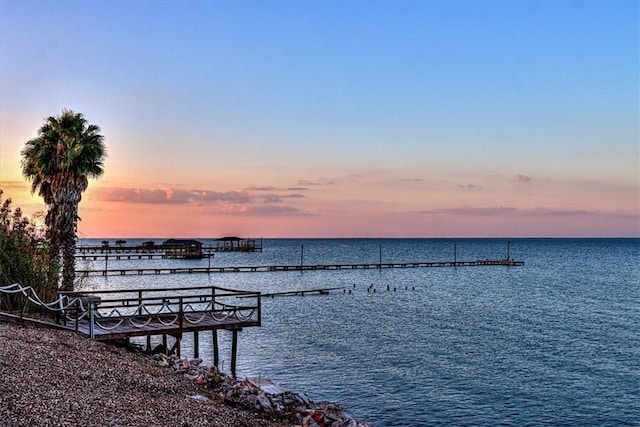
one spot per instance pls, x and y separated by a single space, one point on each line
302 118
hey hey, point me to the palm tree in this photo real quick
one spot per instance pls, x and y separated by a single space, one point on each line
58 163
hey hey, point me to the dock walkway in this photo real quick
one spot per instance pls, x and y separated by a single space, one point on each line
122 314
299 267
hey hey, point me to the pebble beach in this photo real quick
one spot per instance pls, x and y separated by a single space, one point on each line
58 378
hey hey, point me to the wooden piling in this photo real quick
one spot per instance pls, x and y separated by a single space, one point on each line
216 352
234 351
196 344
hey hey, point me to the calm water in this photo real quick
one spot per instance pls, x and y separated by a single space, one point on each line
556 342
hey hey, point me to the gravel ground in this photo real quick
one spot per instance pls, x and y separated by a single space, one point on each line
58 378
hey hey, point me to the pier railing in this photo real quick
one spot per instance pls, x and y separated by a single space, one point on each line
119 271
135 312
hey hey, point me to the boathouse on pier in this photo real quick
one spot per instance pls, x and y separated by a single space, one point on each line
182 248
237 244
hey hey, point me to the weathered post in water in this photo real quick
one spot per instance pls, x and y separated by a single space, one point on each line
455 255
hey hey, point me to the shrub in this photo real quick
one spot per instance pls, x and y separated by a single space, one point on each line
24 258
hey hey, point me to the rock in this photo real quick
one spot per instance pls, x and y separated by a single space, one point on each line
264 402
302 398
195 362
262 395
199 397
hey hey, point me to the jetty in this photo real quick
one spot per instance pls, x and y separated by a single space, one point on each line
171 248
295 267
114 315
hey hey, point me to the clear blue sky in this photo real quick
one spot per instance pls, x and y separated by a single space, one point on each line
412 109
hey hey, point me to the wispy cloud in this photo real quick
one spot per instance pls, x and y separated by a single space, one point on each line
243 202
272 198
512 211
277 198
15 185
473 211
523 178
262 211
170 196
268 188
470 187
319 182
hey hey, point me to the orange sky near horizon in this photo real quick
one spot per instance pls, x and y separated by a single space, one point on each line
499 207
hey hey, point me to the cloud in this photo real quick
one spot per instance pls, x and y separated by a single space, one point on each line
170 196
524 178
512 211
277 198
17 185
272 198
308 183
412 179
263 210
261 188
227 196
473 211
562 212
173 196
470 187
322 181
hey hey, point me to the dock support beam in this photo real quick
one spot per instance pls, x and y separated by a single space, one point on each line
196 344
216 352
234 351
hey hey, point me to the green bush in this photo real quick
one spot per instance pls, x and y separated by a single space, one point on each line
24 258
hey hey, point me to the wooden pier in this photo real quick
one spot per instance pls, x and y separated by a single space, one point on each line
299 267
303 292
122 314
172 248
129 256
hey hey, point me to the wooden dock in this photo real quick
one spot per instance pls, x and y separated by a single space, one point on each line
303 292
299 267
122 314
129 256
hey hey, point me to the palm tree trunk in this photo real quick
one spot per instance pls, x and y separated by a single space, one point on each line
68 239
53 237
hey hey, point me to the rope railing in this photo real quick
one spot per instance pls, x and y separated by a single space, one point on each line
60 305
109 309
63 307
171 307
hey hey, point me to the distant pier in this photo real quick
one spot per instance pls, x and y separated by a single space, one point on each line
172 248
298 267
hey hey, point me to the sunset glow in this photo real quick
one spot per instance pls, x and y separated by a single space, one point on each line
336 119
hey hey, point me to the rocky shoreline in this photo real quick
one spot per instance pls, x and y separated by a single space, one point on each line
261 395
59 378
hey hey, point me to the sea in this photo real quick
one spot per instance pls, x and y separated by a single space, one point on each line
555 342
